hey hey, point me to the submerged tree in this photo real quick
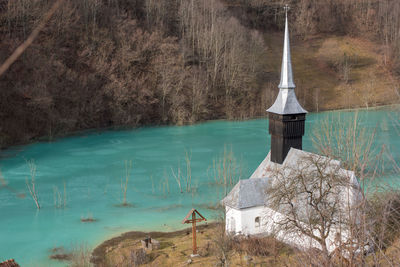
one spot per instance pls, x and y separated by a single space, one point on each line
125 181
60 199
31 184
226 169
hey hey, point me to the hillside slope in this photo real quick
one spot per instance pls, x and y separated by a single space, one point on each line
335 72
100 64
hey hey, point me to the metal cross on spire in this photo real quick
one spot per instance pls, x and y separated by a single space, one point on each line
286 102
286 8
286 71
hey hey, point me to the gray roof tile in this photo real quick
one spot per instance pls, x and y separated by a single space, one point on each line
247 193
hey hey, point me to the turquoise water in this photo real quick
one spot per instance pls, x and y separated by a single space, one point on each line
92 165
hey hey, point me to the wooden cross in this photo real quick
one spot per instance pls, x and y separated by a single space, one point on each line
192 213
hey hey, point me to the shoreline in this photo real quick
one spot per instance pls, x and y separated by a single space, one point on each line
99 252
100 130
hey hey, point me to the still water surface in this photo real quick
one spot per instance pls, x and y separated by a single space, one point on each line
91 167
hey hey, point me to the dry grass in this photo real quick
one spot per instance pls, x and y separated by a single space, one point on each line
176 248
318 71
78 256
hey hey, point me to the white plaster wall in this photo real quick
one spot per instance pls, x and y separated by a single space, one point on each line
269 225
233 214
296 238
244 220
248 217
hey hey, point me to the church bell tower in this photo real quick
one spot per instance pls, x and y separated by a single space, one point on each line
286 116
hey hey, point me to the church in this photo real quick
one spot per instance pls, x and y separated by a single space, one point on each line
303 199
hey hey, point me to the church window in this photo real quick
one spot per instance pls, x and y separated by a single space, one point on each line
257 222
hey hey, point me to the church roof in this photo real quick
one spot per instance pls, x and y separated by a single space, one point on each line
286 102
301 162
295 159
253 192
247 193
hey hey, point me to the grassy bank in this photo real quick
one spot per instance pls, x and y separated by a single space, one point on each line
176 248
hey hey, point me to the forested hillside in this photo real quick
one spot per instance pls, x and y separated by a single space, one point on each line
106 63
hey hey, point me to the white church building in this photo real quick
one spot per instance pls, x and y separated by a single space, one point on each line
248 207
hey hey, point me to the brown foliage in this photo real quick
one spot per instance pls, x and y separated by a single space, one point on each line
127 63
375 19
259 246
116 63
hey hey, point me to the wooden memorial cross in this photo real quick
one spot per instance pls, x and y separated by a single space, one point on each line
193 221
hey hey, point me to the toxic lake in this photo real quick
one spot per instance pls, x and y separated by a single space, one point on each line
85 171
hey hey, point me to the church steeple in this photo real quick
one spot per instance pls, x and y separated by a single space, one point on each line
286 71
286 116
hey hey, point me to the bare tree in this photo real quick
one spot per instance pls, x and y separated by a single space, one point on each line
222 242
226 170
323 204
315 197
60 199
345 139
125 182
18 52
367 95
31 183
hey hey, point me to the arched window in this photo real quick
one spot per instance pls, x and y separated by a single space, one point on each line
257 222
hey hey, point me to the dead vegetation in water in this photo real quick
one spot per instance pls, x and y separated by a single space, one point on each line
88 219
81 256
125 183
184 179
31 183
60 198
60 254
77 256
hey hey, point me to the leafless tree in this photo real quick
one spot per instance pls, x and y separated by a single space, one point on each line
125 182
18 52
315 198
31 183
222 241
226 170
343 138
322 202
355 146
